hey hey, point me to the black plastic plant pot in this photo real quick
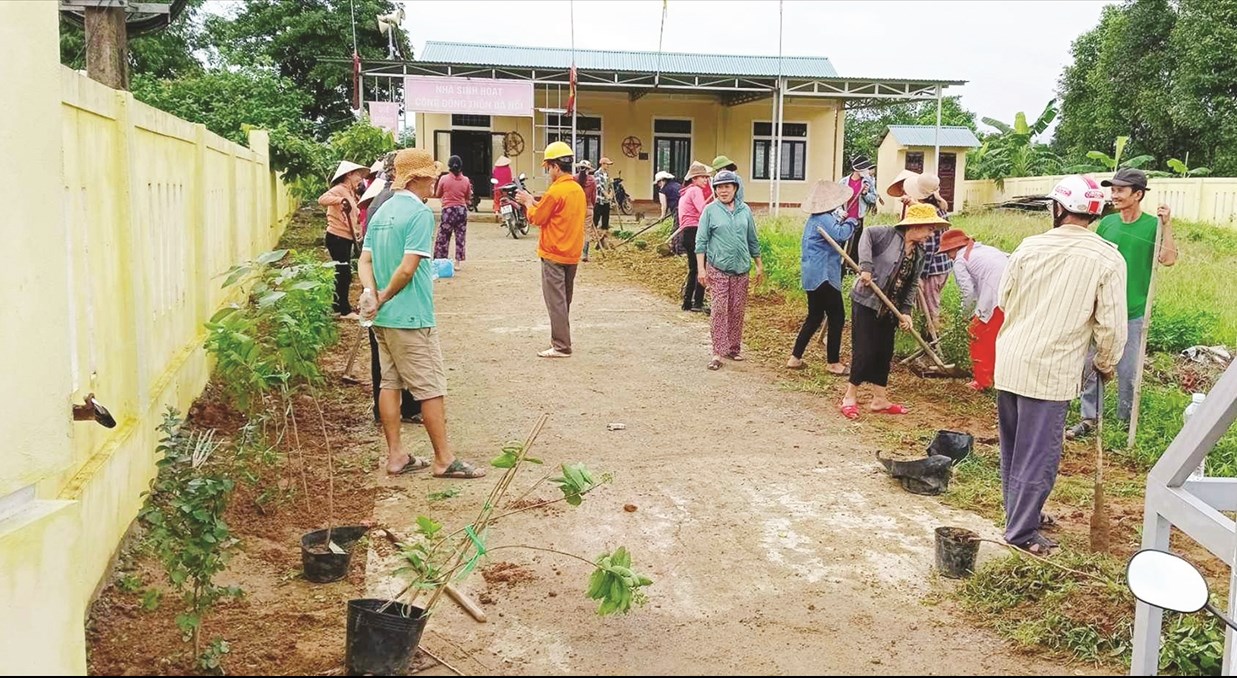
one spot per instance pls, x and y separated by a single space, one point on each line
953 444
381 642
956 549
322 565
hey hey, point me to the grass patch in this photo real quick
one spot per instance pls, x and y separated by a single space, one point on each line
1087 616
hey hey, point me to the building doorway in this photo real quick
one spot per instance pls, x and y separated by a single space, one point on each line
672 147
948 172
475 148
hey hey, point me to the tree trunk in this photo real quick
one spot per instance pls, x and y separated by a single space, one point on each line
107 47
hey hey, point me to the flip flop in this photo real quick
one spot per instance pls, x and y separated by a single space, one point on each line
892 409
844 373
737 357
850 411
413 464
461 469
715 364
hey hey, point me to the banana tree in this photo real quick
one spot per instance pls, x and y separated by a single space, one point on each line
1106 163
1014 151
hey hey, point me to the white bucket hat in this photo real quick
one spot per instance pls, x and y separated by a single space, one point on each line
662 175
344 168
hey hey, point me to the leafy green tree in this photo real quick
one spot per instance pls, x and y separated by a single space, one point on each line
362 143
296 37
1204 96
866 127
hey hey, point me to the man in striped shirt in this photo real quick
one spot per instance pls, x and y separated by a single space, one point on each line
1061 291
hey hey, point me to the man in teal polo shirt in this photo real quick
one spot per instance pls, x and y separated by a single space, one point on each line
1133 232
399 299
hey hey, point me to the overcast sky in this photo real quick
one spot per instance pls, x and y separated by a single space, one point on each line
1010 52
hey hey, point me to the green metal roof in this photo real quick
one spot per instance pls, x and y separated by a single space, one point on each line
925 135
636 62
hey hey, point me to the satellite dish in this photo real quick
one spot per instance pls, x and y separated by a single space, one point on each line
140 17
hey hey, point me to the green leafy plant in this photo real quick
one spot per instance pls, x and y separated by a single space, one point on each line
1182 170
184 513
151 599
432 559
1111 163
615 584
129 583
510 456
575 482
211 660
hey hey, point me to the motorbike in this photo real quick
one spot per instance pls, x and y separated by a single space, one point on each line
514 216
621 198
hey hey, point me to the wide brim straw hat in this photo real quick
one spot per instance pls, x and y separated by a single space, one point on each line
662 175
922 214
372 192
504 161
826 196
345 167
697 169
414 163
605 161
860 162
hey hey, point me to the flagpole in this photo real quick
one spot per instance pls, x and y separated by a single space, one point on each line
575 104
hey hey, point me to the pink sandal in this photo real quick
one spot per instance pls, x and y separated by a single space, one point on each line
850 411
893 409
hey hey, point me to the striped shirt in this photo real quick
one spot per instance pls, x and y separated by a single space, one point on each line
1061 291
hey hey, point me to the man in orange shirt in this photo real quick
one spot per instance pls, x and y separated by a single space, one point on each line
560 216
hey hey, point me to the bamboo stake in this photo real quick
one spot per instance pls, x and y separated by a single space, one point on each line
927 349
1142 349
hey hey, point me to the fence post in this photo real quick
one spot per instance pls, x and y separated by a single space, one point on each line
201 231
133 245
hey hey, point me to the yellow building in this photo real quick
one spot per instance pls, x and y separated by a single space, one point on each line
914 147
649 112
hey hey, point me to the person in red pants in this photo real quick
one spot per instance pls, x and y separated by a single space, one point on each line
978 269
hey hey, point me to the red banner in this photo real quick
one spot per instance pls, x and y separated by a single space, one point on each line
571 98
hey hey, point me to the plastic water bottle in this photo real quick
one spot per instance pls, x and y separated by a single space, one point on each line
1195 403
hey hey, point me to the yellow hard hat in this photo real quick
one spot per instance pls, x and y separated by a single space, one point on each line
558 150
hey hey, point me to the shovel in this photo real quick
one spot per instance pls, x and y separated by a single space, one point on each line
927 349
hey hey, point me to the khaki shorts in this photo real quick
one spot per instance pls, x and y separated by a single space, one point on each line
411 359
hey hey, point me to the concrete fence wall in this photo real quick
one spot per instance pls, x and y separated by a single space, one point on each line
1210 200
118 220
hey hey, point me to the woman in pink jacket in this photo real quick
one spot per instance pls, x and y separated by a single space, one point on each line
691 204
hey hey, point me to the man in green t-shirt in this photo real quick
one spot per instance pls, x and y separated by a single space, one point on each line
399 299
1133 232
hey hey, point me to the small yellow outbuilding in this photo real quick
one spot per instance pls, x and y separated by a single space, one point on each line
913 147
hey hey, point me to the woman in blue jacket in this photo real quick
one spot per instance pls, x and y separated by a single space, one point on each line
821 272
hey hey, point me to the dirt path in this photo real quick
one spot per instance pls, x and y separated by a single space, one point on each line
776 544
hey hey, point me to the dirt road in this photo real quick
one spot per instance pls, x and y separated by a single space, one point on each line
776 544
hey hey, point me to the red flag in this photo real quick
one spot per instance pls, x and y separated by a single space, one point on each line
571 97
